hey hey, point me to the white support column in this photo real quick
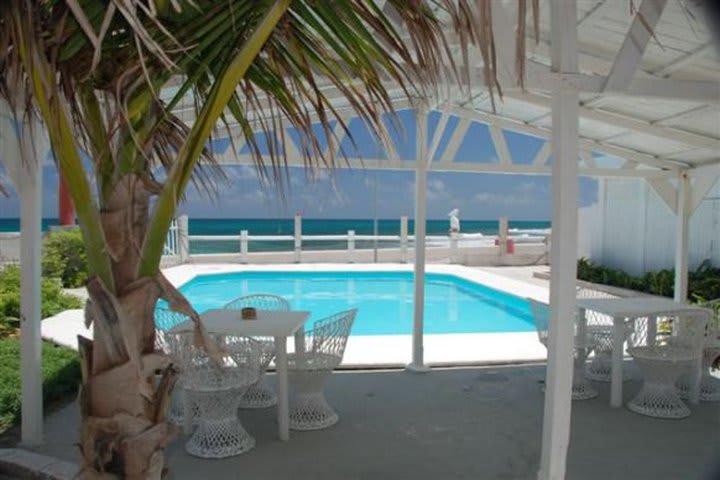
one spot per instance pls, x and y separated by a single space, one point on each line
682 234
599 251
183 239
403 238
30 193
556 417
418 362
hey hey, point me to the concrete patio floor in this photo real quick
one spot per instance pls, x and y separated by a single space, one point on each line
462 423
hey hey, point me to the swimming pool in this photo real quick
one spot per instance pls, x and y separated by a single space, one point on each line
384 299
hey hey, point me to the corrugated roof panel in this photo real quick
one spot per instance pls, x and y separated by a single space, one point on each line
649 109
649 143
518 110
699 155
706 123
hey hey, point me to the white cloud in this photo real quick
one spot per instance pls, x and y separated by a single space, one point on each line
505 199
436 190
526 187
321 199
241 173
525 193
436 185
320 175
532 188
256 196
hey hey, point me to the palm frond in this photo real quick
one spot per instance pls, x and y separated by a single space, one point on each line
320 63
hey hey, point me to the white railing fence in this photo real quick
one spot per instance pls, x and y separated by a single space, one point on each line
9 248
171 243
456 248
176 248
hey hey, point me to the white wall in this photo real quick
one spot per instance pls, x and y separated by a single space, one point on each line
632 229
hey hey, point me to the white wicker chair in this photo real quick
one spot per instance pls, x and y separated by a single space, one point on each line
213 385
675 349
709 385
600 329
261 395
308 371
581 388
165 320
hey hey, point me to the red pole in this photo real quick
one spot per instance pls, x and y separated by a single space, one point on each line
66 211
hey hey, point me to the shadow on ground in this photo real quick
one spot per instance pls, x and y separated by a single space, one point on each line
479 423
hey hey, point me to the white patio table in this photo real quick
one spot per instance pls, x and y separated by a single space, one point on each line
623 310
277 324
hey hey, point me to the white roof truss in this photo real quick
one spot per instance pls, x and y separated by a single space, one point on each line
656 108
633 48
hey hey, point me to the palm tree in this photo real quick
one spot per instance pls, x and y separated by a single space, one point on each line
116 79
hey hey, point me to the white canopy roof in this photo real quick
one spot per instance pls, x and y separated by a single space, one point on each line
650 103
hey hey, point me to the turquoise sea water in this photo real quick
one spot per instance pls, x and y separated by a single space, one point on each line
311 226
384 300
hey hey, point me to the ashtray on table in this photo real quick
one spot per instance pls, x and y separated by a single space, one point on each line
248 313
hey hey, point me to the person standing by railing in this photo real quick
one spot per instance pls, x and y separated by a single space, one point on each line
454 221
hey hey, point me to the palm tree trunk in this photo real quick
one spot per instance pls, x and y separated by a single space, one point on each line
123 406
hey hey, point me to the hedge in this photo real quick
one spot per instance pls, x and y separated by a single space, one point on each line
703 283
64 258
60 377
53 299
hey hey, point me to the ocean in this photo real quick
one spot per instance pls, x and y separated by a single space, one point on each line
312 226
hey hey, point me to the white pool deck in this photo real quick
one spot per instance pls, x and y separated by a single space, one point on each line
381 350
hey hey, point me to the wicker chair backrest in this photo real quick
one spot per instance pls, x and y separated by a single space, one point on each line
260 301
329 336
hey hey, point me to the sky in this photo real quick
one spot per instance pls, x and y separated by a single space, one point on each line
352 194
361 193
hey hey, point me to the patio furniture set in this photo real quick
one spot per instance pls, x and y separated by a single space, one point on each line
212 388
674 345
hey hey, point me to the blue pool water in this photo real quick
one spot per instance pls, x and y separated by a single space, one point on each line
384 299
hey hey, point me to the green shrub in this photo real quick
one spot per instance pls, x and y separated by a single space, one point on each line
60 376
53 299
64 258
703 283
660 283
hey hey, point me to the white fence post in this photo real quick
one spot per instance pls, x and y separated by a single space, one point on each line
183 238
298 237
453 247
403 238
351 245
244 246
